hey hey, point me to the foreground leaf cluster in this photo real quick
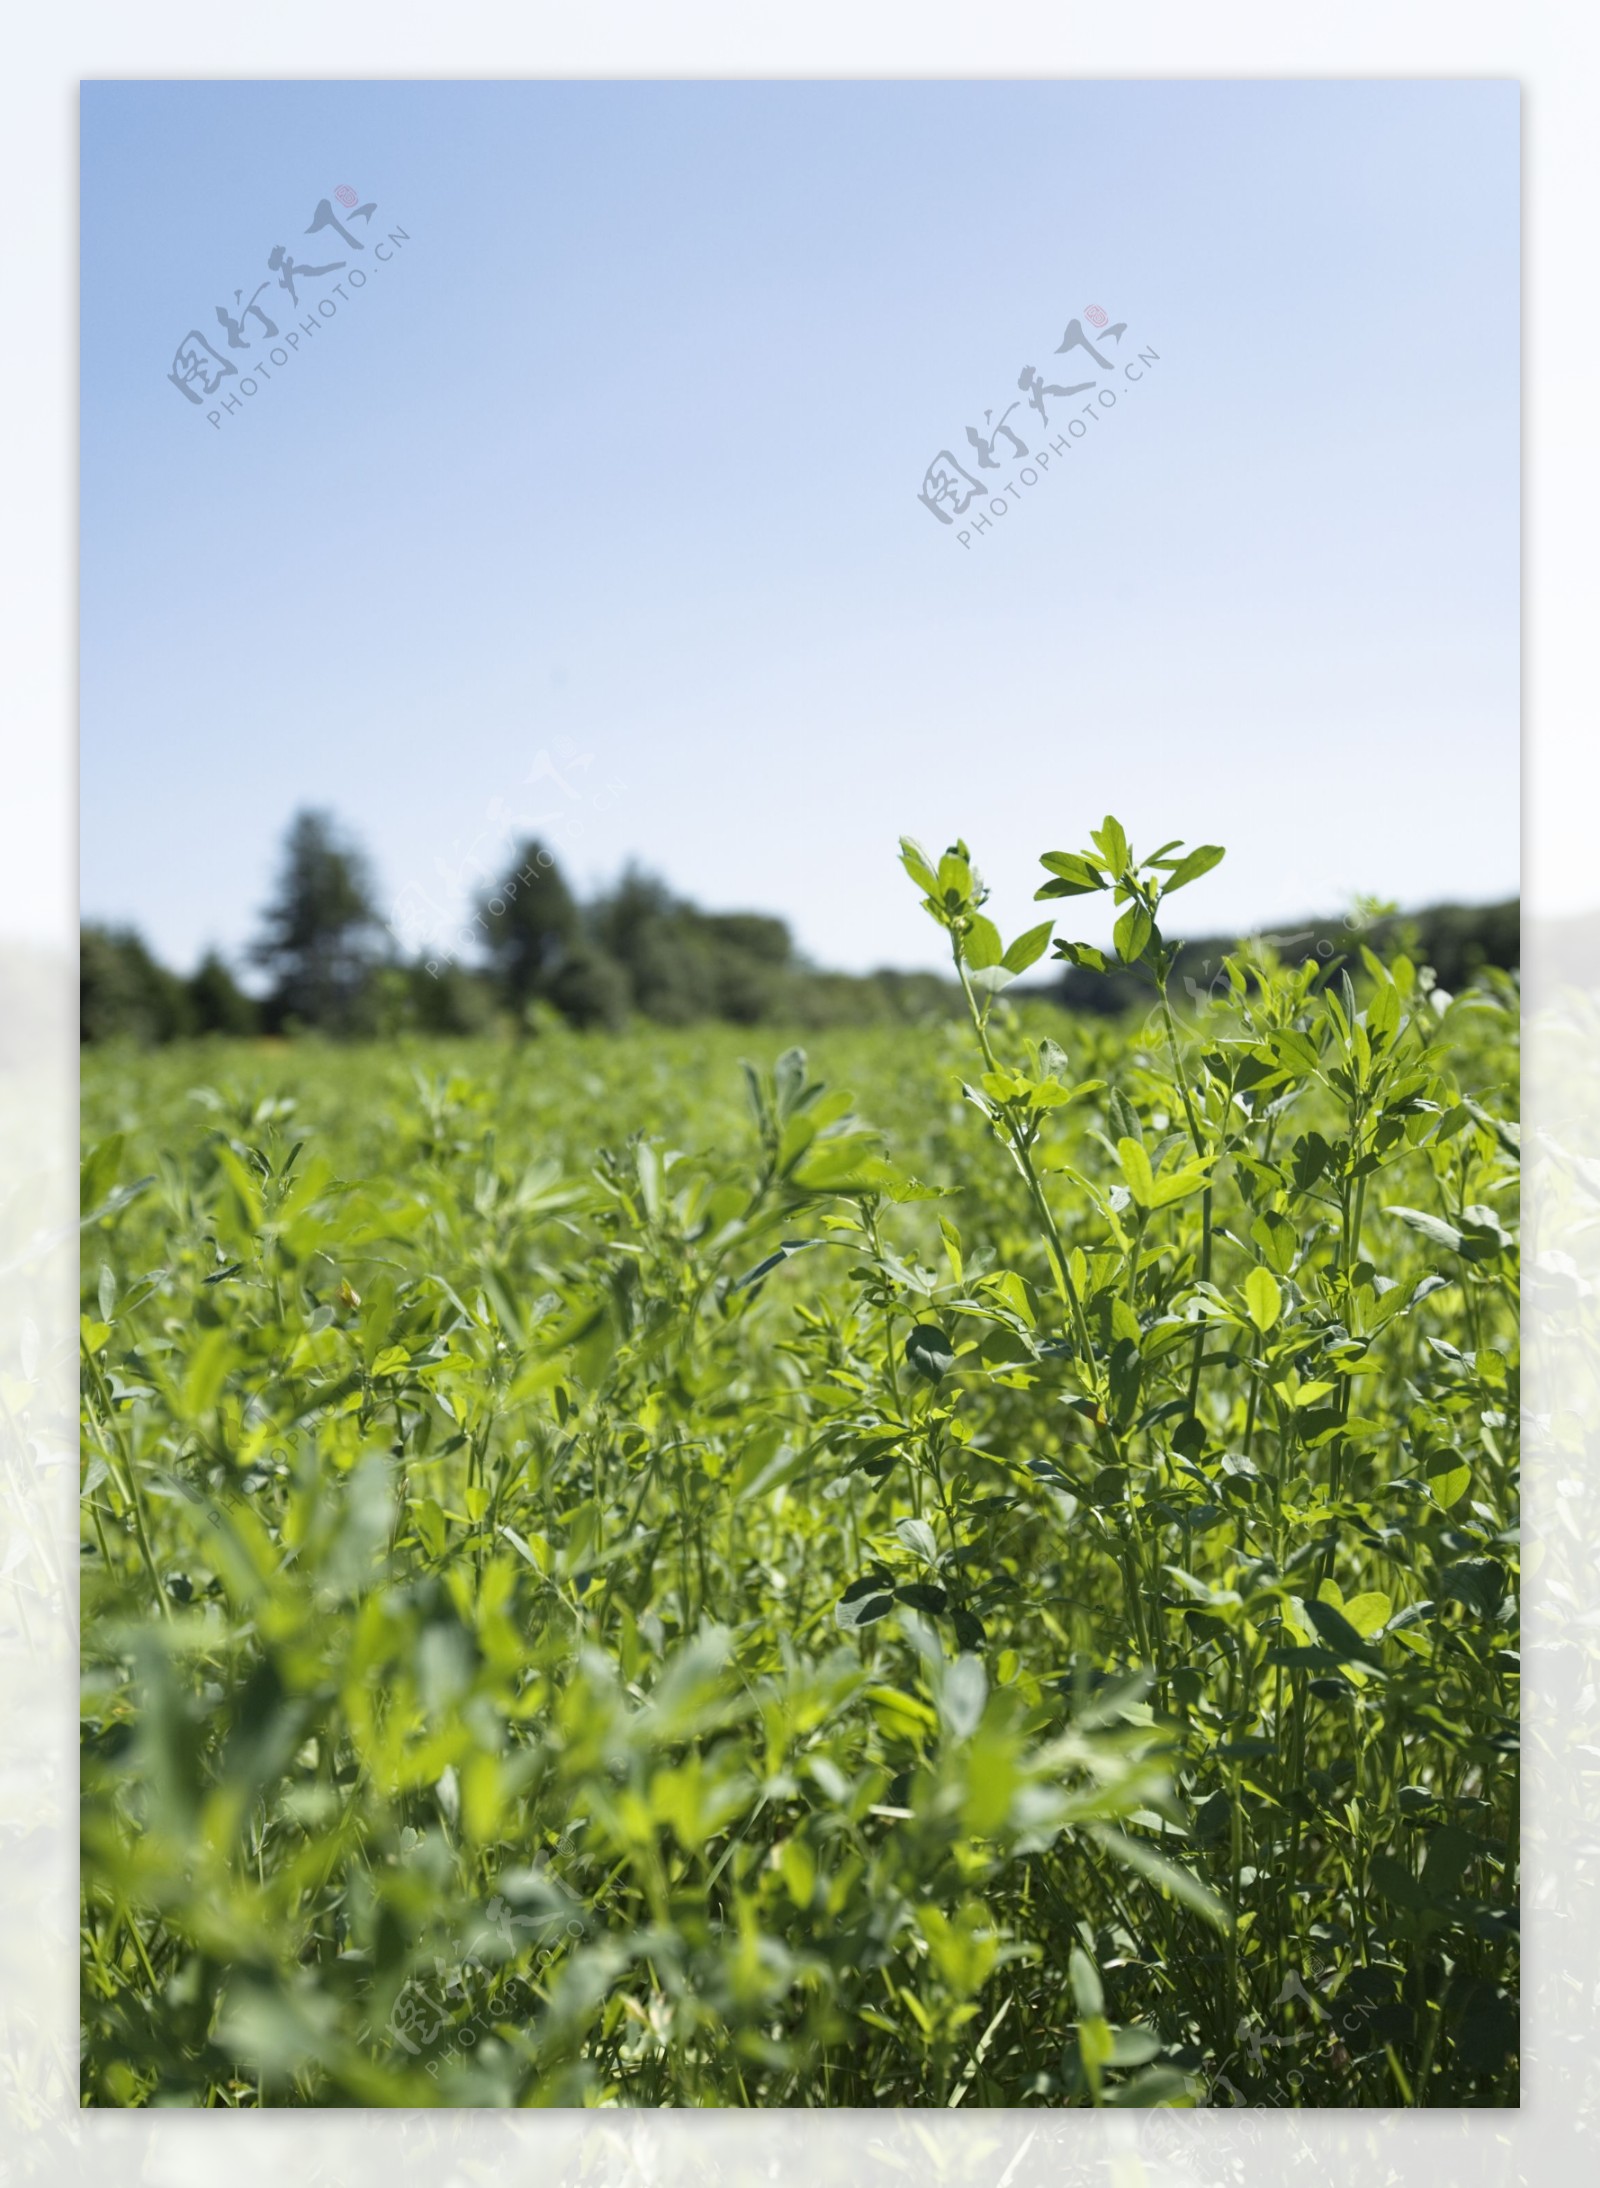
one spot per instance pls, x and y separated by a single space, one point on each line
614 1578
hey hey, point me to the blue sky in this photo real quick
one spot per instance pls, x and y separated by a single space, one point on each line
596 507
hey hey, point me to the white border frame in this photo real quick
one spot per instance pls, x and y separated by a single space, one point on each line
1550 48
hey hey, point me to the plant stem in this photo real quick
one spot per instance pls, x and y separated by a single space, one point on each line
1022 1155
1161 968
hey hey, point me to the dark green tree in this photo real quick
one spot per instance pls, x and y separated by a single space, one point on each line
124 994
531 921
590 988
452 1000
683 963
321 940
540 950
751 959
217 1003
643 927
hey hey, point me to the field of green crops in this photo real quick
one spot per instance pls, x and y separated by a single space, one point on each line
972 1566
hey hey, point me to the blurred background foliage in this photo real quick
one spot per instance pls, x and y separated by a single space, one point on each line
326 963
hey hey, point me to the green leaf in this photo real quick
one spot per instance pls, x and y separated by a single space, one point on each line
863 1603
1434 1227
989 979
918 1537
915 861
520 1543
1383 1012
954 881
1006 1086
1477 1582
843 1164
789 1080
1124 1117
1074 875
1368 1612
1483 1235
1028 948
1008 1288
98 1172
1110 839
922 1595
1135 1165
928 1351
1449 1477
1176 1185
1394 1881
879 1176
1335 1632
964 1691
1080 953
1212 1818
1088 1996
1187 1889
1311 1156
1156 2086
1124 1373
1189 869
207 1372
798 1868
980 945
276 2027
1125 1323
1051 1094
1278 1239
427 1516
789 1247
1263 1298
1132 931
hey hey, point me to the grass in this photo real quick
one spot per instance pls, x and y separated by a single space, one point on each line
614 1578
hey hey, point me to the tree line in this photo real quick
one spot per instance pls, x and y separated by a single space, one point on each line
326 962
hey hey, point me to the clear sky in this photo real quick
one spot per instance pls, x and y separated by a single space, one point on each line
596 508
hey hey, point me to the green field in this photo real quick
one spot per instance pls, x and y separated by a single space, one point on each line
972 1566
